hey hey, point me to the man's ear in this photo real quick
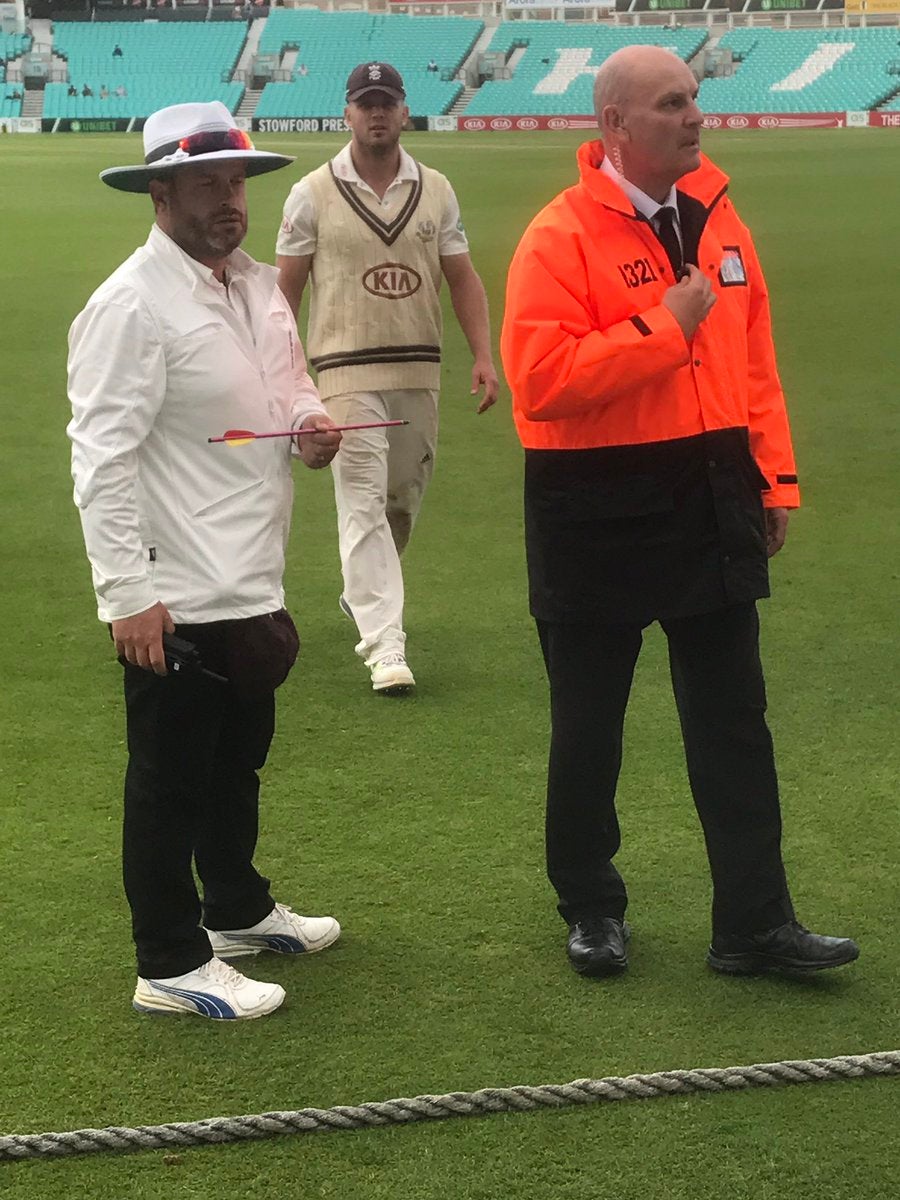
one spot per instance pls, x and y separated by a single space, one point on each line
612 120
159 193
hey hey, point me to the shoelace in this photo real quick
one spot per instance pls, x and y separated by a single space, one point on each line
392 660
223 972
596 926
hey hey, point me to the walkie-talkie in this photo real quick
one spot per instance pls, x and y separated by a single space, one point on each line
183 657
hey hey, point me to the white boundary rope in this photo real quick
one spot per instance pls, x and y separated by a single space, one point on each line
216 1130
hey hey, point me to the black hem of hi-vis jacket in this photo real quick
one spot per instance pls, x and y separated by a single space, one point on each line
641 532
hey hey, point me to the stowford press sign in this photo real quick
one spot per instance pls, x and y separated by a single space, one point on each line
299 125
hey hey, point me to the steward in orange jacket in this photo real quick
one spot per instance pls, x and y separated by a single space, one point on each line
648 457
655 433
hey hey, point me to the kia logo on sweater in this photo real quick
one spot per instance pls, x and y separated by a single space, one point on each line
393 281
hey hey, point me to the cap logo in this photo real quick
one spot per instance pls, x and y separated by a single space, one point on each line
374 72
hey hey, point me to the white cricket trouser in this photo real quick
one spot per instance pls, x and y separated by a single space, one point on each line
380 477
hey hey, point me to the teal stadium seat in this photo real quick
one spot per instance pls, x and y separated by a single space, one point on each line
166 62
330 45
12 45
797 71
555 75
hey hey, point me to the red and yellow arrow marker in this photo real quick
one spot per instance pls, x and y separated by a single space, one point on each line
242 437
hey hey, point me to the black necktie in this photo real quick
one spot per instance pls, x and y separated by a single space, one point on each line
666 232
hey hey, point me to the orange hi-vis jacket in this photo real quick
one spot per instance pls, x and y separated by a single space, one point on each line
594 358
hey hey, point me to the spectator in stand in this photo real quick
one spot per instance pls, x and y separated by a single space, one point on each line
303 70
432 65
73 90
121 92
117 51
87 90
104 92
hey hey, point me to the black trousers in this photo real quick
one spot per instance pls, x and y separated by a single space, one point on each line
191 799
720 693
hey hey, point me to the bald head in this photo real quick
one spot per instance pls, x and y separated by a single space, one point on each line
645 99
631 71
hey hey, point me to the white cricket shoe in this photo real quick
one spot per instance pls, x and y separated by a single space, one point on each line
282 931
214 990
391 675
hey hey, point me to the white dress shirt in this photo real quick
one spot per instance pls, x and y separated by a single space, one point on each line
163 357
644 204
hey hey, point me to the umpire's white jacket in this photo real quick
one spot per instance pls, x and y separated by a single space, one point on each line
161 358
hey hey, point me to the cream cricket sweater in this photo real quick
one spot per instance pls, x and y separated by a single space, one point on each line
375 311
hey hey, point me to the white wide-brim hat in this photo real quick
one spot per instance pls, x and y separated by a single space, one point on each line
191 133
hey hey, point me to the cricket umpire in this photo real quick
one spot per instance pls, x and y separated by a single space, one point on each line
188 337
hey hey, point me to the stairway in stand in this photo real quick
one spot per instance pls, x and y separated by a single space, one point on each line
462 101
248 104
33 103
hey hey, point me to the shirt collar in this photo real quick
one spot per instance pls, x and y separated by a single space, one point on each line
343 167
644 204
237 264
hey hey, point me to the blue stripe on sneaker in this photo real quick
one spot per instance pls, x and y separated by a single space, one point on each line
208 1006
284 945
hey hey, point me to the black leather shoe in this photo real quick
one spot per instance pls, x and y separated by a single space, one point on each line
597 946
790 947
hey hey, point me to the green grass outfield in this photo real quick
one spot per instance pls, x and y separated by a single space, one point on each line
419 822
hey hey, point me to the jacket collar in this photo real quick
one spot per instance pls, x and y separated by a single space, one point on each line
706 184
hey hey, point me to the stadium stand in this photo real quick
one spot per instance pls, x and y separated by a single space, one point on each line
555 75
330 45
160 64
11 46
551 65
795 71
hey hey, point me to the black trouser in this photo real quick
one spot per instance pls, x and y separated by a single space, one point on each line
191 795
720 693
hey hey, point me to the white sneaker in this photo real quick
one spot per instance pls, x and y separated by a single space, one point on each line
392 675
282 931
214 990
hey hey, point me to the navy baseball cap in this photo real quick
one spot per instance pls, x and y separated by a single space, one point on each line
375 77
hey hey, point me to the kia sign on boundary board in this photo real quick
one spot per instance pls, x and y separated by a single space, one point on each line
729 121
833 120
505 123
